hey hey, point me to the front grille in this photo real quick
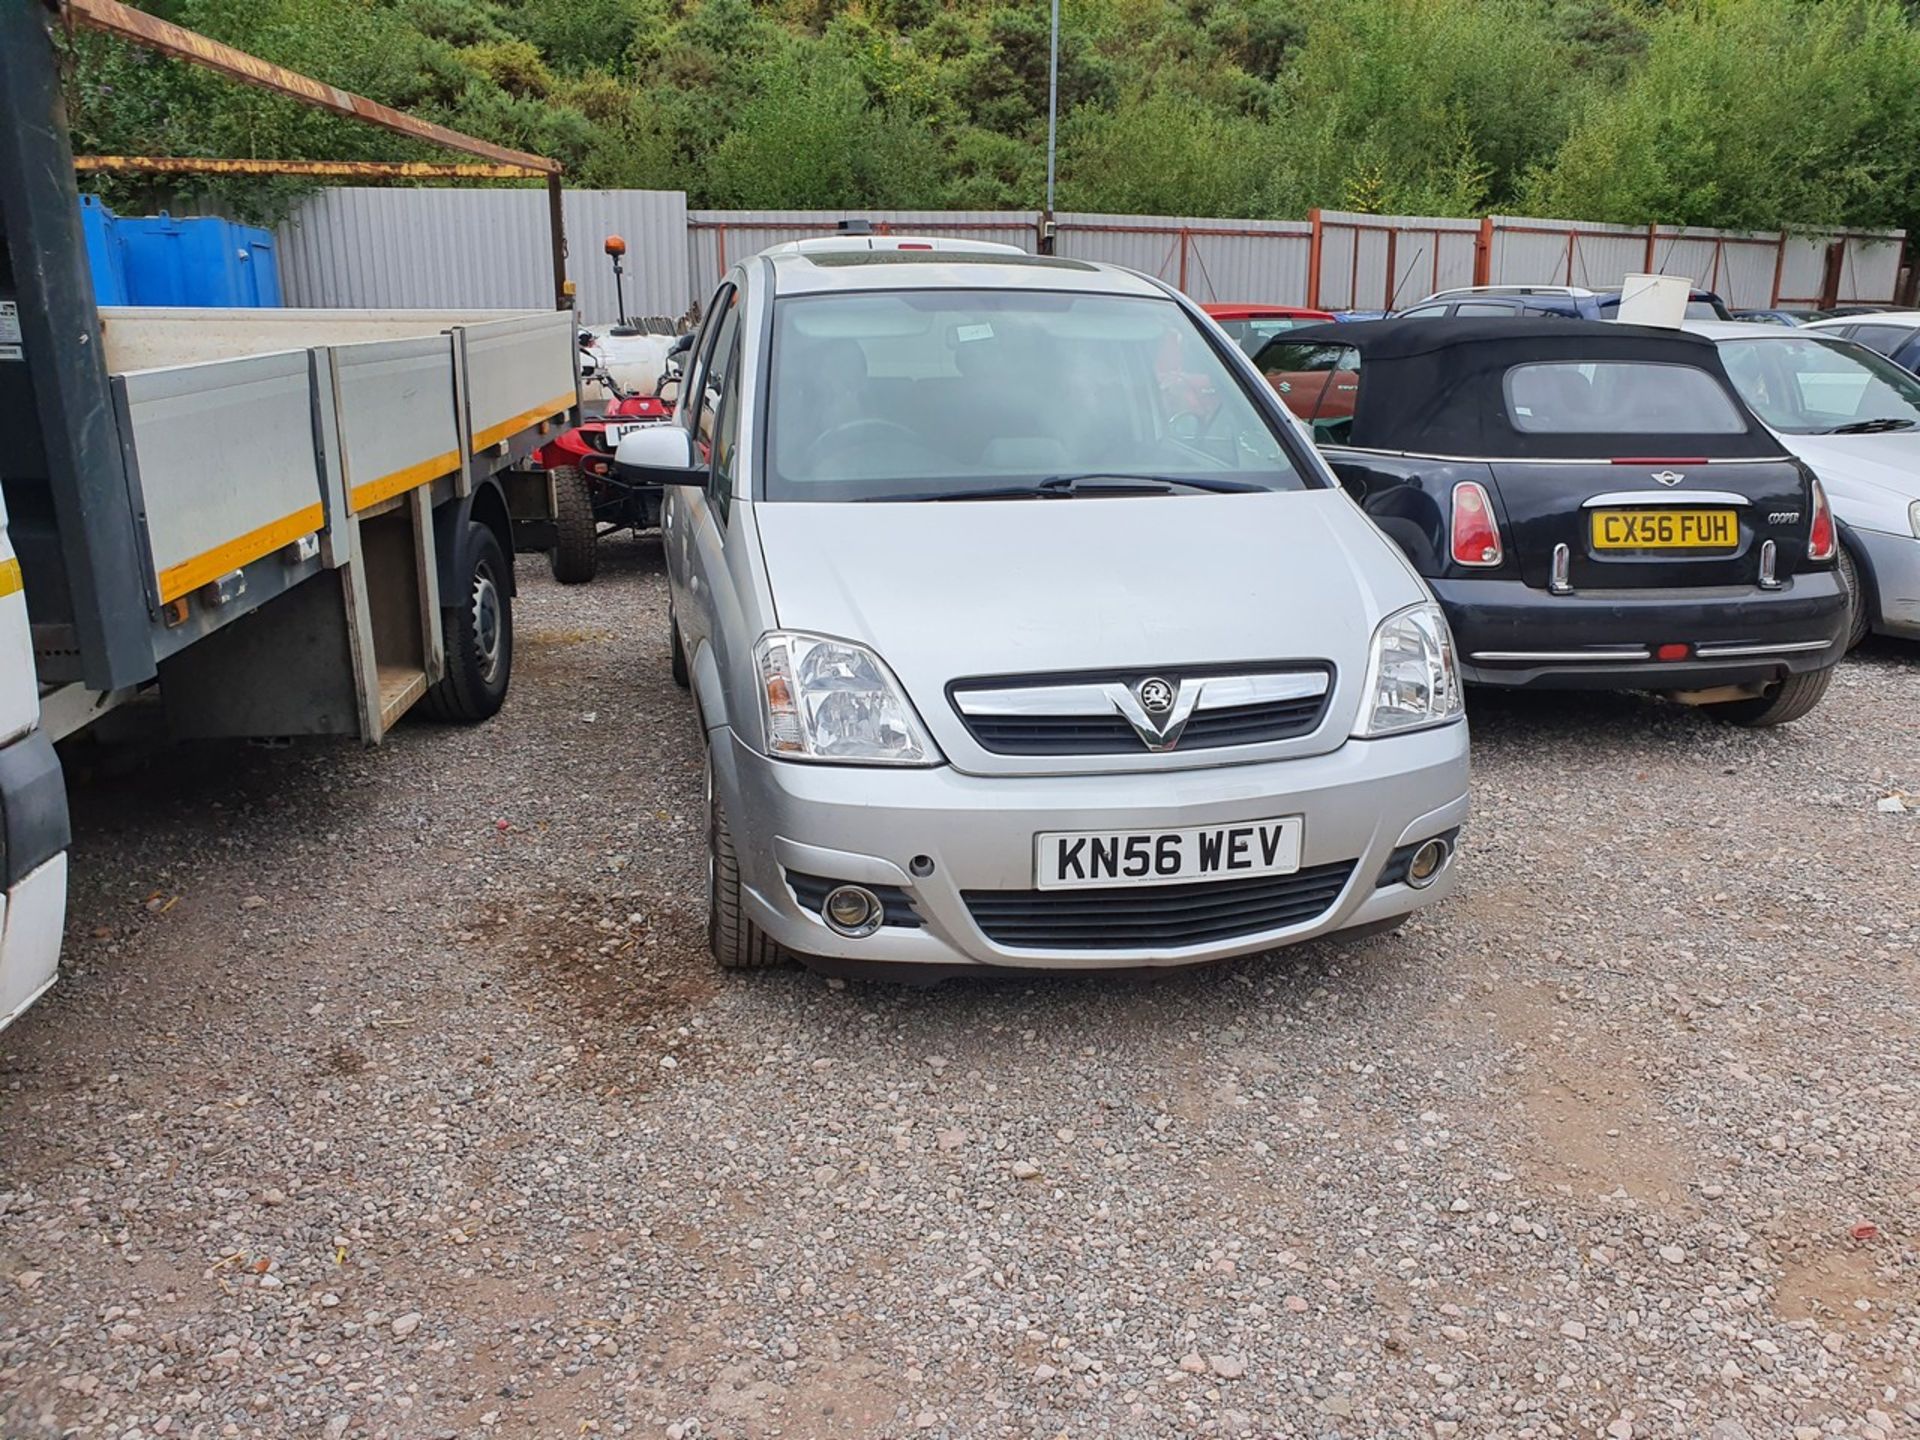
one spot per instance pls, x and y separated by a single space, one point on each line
812 891
1147 916
1090 723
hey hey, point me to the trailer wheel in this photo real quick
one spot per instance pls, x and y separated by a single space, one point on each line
1789 700
575 556
479 636
736 942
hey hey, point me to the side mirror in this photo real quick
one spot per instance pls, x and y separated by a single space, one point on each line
681 344
658 455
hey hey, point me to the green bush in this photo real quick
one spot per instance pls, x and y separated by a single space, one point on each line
1757 113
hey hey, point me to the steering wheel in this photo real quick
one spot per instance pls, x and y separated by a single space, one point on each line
870 429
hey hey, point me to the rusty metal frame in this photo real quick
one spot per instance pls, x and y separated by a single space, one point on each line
353 169
110 17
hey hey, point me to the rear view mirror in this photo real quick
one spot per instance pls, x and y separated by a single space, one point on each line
681 344
658 455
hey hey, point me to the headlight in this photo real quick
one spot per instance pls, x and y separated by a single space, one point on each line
825 699
1913 519
1412 678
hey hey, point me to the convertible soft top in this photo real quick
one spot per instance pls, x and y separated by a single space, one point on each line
1438 387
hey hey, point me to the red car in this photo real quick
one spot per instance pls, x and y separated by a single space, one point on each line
1251 326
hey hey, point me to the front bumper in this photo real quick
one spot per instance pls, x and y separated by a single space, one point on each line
1892 563
1511 634
868 825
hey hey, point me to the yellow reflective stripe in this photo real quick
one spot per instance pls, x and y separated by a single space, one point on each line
189 575
10 581
494 434
387 486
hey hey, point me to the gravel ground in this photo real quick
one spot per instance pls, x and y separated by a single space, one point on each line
390 1093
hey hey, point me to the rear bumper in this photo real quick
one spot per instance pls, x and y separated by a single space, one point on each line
1511 634
1892 563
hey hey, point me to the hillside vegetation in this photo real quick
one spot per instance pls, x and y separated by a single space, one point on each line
1760 113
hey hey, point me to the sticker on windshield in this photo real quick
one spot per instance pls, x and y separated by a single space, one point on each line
964 333
9 330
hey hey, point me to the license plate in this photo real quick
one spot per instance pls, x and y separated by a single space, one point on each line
1665 530
1092 859
616 433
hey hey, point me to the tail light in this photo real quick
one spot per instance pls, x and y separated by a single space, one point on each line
1476 534
1821 538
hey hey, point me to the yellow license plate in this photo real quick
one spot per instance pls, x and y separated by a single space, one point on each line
1665 530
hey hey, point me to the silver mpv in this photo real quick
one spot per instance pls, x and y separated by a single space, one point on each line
1026 629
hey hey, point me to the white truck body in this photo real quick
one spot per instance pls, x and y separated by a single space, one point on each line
294 477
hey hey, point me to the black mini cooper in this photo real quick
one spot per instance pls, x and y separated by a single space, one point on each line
1591 503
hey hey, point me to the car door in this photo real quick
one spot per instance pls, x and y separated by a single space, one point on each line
693 522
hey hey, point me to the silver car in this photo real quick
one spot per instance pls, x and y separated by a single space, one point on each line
1026 630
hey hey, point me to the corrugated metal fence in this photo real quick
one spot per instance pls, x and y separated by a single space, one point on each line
445 248
454 248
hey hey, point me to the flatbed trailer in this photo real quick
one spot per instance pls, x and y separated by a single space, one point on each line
259 523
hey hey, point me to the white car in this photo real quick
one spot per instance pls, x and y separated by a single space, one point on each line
1894 333
1854 416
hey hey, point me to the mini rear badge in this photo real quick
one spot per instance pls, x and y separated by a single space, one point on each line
1669 477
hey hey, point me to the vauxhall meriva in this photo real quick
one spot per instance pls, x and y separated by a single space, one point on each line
1026 629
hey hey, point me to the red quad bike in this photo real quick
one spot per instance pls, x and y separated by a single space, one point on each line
588 499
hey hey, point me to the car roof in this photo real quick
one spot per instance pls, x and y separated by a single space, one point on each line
1871 317
1565 292
1738 329
811 269
1439 387
1403 335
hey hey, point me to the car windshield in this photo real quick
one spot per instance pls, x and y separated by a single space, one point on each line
1809 385
951 394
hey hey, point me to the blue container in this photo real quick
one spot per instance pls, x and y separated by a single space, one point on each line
159 260
100 226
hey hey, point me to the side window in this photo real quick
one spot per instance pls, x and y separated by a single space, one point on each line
715 371
699 363
724 437
1884 338
1502 308
1424 312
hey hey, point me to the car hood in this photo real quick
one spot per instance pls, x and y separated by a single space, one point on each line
952 591
1871 479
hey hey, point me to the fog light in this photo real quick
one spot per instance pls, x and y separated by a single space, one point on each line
1425 865
852 912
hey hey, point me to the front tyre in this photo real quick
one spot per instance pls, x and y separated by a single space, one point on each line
1859 610
1789 700
736 942
479 635
575 556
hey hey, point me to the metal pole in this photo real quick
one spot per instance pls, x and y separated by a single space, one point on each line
1053 101
557 235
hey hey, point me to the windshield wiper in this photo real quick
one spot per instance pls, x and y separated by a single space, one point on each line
1065 487
1141 484
1872 427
